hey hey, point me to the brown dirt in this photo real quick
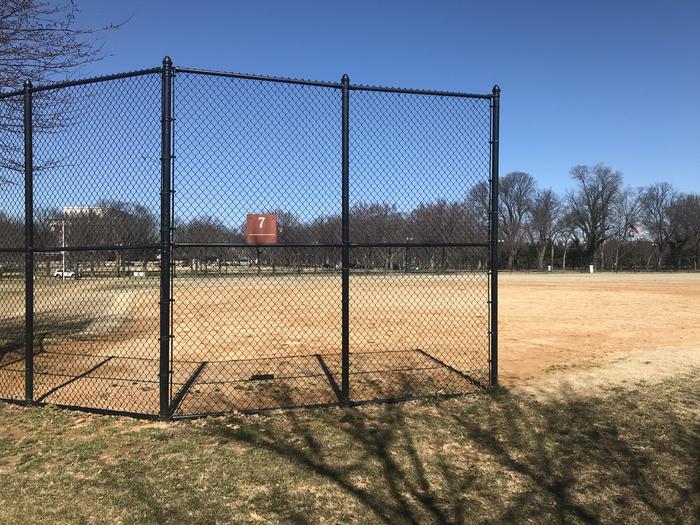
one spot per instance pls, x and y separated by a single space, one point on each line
404 332
555 323
244 326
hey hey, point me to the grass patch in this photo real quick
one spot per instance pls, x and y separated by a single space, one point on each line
625 457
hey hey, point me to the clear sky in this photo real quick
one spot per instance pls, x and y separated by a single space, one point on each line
582 82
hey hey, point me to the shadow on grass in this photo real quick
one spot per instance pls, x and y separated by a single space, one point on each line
573 451
583 460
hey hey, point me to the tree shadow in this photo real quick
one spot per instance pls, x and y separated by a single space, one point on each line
374 443
50 325
11 336
573 459
13 350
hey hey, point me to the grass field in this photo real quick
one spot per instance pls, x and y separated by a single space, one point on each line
627 456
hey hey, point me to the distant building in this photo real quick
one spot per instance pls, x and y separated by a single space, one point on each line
82 210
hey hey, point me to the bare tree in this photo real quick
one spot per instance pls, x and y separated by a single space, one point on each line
695 241
592 205
625 216
478 204
441 222
11 232
546 210
567 232
655 202
516 193
11 236
40 41
684 219
376 223
205 229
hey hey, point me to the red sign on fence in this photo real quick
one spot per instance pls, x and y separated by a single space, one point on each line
261 228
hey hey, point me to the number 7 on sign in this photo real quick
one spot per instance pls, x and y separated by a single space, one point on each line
261 228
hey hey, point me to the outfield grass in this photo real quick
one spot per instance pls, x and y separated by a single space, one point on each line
630 456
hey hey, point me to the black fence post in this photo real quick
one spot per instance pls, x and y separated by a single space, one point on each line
165 237
28 246
345 401
495 109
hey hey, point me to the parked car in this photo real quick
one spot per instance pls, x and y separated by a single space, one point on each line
64 274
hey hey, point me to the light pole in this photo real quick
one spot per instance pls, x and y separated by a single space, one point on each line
63 245
405 253
54 224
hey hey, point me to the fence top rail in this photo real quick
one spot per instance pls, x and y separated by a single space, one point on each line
336 85
249 76
10 94
409 91
83 81
245 76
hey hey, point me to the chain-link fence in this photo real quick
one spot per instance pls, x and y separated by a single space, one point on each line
177 242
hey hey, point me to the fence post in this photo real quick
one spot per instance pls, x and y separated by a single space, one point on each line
345 389
165 238
495 110
28 246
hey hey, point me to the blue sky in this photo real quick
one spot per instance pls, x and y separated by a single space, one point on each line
583 82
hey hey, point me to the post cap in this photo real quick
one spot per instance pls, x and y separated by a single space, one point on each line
496 89
345 78
167 61
27 83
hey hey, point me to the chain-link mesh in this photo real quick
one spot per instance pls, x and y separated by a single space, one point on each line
418 312
249 317
11 249
96 217
256 324
416 162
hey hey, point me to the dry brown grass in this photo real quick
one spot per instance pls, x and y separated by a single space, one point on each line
623 457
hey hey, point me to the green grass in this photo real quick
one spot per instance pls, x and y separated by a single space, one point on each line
632 456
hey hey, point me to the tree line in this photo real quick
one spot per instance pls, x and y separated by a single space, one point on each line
600 221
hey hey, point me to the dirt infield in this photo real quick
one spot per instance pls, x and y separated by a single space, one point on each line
553 323
251 341
257 341
409 334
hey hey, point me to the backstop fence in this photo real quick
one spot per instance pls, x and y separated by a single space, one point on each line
138 274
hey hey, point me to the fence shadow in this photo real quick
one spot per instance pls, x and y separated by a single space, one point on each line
249 385
566 457
51 327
